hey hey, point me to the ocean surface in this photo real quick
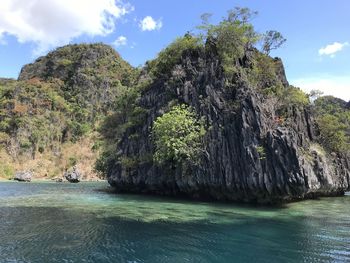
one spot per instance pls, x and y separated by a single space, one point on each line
86 222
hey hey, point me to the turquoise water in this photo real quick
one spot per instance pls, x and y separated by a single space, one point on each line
52 222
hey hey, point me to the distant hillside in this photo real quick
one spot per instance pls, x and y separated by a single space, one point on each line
57 101
88 75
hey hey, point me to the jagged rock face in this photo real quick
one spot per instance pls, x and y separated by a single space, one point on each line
242 121
281 74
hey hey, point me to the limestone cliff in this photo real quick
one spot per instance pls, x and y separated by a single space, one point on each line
257 148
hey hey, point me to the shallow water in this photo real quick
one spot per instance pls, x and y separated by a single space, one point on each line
52 222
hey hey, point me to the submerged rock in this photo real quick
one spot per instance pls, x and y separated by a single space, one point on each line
73 175
23 176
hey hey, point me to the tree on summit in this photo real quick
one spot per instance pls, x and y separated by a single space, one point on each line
272 40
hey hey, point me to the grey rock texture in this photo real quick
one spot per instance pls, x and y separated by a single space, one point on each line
348 105
73 175
23 176
242 124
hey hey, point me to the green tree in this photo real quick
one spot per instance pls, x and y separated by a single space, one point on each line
170 56
232 37
178 136
241 15
333 118
294 96
272 40
315 94
333 133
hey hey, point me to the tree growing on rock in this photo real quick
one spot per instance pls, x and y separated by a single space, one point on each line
272 40
178 136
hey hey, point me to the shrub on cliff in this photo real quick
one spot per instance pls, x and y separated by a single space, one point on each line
293 96
262 74
170 56
235 34
178 136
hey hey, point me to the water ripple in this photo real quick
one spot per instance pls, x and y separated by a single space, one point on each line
51 222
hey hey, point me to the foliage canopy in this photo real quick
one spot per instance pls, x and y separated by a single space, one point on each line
333 118
171 55
178 135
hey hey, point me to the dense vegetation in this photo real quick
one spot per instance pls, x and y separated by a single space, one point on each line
38 129
333 118
36 117
171 55
178 136
90 77
57 103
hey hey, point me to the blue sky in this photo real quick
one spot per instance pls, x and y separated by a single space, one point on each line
316 54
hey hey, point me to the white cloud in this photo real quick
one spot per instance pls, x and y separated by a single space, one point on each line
330 85
49 23
120 41
331 49
149 24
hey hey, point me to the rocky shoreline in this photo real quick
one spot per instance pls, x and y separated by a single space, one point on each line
43 179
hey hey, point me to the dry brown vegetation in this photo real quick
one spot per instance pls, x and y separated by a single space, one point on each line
48 165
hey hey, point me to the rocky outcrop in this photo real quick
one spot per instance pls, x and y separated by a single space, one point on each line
252 153
348 105
73 175
23 176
